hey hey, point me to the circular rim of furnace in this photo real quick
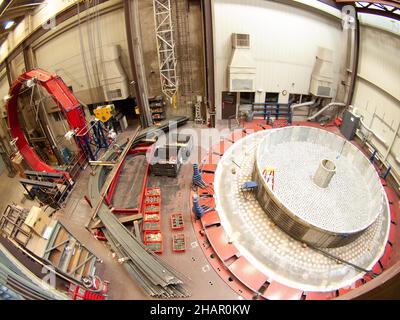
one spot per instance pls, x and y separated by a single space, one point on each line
260 241
290 210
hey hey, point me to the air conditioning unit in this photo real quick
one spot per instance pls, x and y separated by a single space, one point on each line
240 40
114 80
242 67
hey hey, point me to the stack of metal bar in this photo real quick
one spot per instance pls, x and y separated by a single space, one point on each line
157 278
148 270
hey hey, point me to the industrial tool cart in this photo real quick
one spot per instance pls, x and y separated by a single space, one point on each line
166 161
183 141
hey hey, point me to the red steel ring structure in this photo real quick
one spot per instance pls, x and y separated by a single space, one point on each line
65 100
243 277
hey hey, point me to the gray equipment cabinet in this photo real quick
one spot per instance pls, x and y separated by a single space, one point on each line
349 125
166 161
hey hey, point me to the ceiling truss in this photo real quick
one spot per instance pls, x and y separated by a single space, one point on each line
390 9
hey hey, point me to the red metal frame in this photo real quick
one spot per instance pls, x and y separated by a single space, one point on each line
158 193
62 96
141 148
179 236
147 232
178 228
80 293
146 217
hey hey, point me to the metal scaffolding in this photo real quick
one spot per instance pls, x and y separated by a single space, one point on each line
166 47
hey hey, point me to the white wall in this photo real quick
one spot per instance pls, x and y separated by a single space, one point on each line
39 17
377 94
62 54
284 42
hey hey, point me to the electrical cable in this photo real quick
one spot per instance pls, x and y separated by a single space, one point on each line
333 257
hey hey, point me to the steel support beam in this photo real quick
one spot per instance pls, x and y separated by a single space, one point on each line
209 57
386 14
392 3
356 58
389 9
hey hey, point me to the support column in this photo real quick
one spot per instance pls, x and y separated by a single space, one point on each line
355 57
132 23
209 58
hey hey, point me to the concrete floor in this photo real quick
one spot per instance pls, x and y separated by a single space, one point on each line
200 277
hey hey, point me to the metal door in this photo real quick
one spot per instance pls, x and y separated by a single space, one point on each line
228 105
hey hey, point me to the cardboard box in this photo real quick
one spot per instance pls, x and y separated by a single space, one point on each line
37 220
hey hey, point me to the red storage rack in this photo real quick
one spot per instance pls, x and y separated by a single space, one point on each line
152 217
152 208
151 226
154 241
178 243
153 192
149 200
79 293
177 223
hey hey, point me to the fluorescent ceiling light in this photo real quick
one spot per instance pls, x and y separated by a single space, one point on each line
9 24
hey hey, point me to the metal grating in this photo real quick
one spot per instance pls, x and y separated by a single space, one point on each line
349 205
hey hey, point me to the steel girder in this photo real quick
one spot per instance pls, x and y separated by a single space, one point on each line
388 8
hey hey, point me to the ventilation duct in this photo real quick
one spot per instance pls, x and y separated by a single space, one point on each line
322 76
241 69
114 80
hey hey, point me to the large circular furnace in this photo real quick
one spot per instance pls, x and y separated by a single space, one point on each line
325 191
313 187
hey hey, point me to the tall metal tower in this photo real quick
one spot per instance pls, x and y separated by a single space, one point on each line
166 47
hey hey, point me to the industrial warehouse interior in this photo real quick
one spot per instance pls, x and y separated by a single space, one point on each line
195 150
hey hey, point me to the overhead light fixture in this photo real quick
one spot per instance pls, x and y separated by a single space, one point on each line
9 24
